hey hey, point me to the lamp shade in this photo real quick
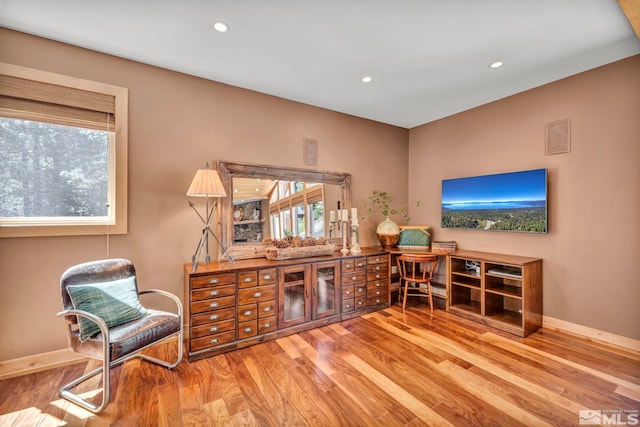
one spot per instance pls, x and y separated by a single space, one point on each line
206 183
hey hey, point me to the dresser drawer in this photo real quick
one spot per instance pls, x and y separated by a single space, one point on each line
214 292
360 290
213 328
377 300
213 280
348 305
347 291
378 292
266 309
212 340
267 324
354 277
377 275
247 329
267 277
377 284
378 259
213 304
256 294
247 279
213 316
247 312
360 302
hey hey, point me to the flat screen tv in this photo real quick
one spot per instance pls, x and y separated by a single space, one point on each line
514 201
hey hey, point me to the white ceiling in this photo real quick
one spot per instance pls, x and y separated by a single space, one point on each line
428 58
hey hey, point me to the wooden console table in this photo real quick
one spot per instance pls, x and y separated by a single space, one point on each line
234 305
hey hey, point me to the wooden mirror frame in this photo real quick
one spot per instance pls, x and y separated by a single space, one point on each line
230 170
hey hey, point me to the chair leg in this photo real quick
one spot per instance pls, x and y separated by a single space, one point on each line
166 364
66 393
404 294
430 297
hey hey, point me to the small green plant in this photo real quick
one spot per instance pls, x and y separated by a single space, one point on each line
381 202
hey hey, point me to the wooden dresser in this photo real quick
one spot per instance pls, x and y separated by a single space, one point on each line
234 305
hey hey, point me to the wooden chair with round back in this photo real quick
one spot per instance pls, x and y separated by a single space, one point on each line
416 273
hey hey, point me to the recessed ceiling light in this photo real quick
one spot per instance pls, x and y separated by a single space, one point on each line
496 64
221 27
367 79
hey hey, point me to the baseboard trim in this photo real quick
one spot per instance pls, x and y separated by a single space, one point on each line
603 337
38 362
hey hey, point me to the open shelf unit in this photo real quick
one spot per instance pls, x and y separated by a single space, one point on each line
503 291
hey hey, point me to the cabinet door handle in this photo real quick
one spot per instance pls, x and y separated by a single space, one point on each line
214 293
214 329
314 292
307 292
257 295
247 313
213 305
214 281
247 330
214 341
213 317
248 280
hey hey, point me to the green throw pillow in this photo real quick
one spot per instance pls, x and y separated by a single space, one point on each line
116 302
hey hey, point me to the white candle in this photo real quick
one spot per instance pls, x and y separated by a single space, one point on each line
345 215
354 213
332 216
354 221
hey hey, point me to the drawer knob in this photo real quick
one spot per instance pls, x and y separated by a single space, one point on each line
247 313
267 277
214 293
378 284
354 278
248 280
267 309
348 305
348 265
360 289
377 292
214 281
213 317
267 325
378 301
359 302
377 276
214 329
377 267
214 305
360 264
257 295
348 292
247 330
214 341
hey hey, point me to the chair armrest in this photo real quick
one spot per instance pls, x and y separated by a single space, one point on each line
169 295
97 320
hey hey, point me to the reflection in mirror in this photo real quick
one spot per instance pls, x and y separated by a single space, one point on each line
272 203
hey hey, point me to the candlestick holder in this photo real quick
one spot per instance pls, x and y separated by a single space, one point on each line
355 239
332 228
344 249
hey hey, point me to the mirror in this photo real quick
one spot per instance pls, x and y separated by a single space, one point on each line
245 217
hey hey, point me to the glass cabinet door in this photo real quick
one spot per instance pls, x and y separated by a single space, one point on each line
325 290
295 307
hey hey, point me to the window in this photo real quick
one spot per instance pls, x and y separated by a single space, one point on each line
63 154
297 209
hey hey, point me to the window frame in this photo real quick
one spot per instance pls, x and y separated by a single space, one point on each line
120 147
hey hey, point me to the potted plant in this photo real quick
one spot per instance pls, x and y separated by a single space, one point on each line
388 230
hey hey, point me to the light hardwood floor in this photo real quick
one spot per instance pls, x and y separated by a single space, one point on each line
382 369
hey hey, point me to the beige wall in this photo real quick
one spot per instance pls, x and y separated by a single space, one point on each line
592 251
176 123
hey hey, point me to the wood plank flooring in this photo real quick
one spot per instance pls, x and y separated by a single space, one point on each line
382 369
